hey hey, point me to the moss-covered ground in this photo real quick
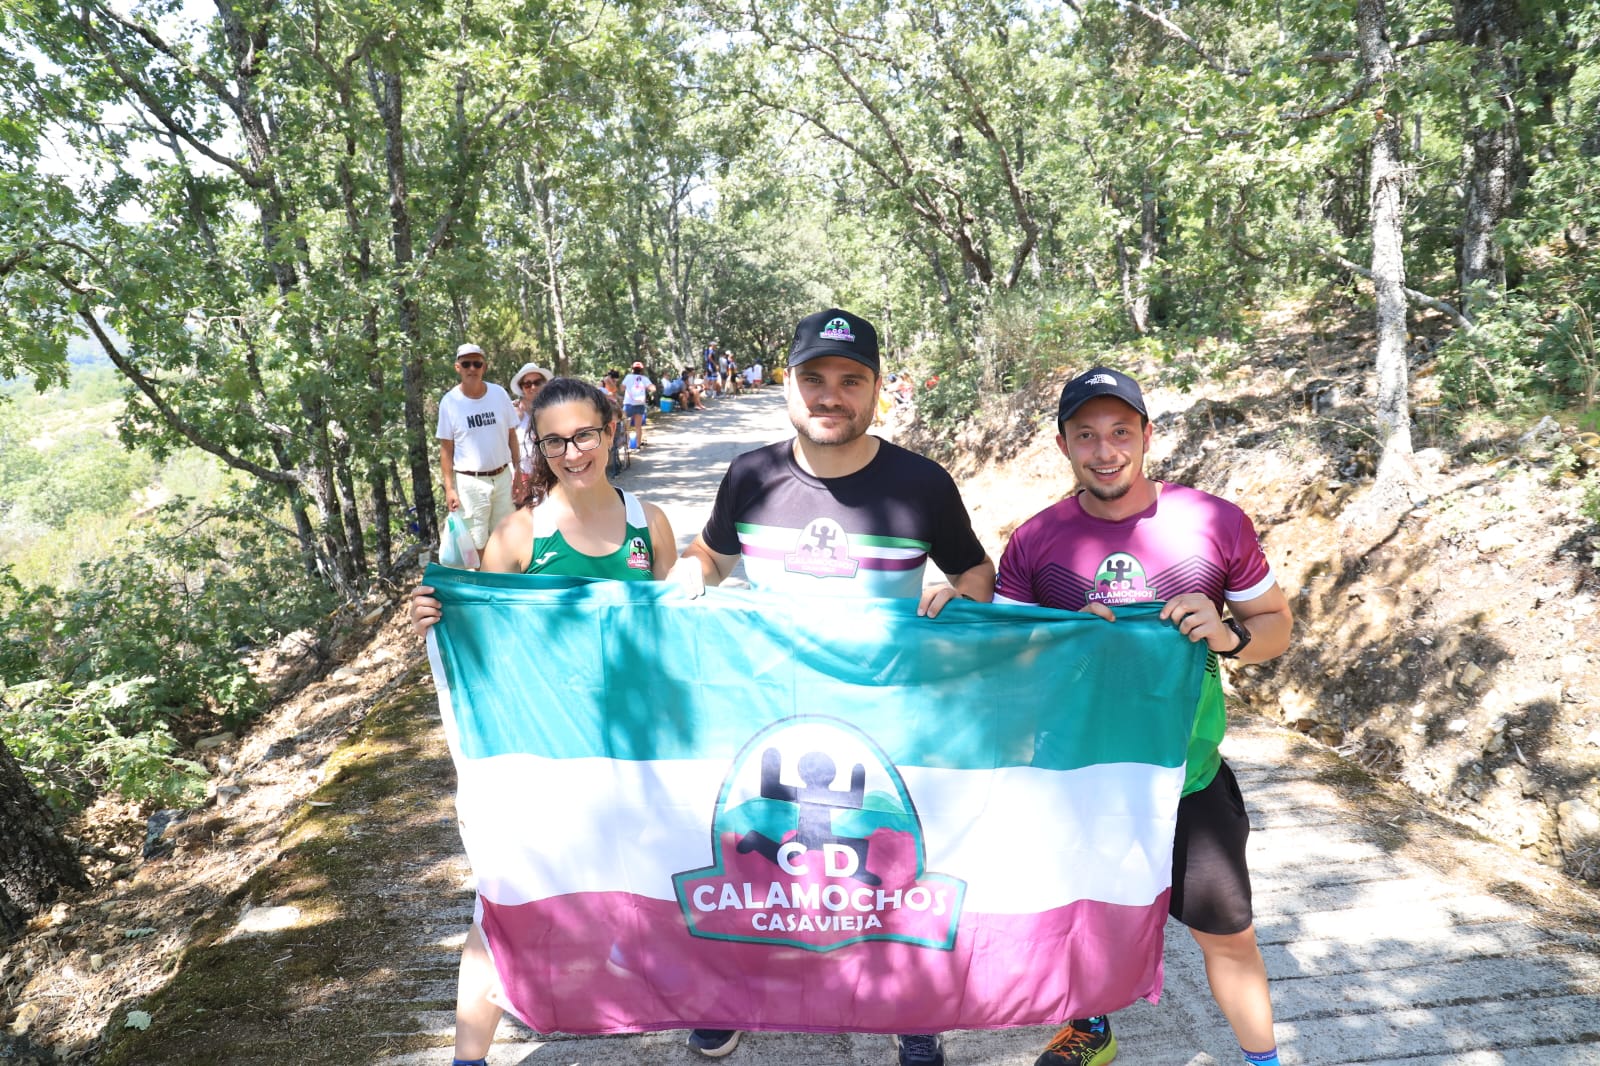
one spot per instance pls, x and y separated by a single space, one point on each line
318 991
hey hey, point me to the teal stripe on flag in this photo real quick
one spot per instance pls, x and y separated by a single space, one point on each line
568 668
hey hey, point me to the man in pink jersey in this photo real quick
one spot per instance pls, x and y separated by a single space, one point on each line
1121 539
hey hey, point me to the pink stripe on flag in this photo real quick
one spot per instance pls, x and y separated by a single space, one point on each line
616 963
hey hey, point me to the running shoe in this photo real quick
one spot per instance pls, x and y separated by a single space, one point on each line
714 1043
1079 1047
920 1050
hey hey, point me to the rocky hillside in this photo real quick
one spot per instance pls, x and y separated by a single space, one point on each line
1461 655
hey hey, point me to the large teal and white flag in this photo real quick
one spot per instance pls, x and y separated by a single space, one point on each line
750 812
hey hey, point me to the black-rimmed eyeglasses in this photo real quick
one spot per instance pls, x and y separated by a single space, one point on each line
555 446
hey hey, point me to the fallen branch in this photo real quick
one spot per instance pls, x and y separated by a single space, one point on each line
1433 303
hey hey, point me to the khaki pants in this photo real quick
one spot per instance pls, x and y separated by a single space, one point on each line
484 501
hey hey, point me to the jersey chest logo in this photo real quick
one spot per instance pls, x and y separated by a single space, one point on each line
822 550
1119 579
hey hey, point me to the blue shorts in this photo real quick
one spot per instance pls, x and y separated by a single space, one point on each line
631 409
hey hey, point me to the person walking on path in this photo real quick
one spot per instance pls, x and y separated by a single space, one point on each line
1124 538
583 526
525 386
636 392
478 451
711 365
837 512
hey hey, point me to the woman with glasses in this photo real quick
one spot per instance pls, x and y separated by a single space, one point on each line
580 525
525 385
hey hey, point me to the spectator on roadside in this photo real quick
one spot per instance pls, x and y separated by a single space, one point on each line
693 398
839 493
711 363
525 385
679 391
901 389
479 455
1208 561
585 527
637 389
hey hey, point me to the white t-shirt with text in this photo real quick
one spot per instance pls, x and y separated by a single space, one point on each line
481 428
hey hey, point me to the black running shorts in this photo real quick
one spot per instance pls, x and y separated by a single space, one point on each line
1210 878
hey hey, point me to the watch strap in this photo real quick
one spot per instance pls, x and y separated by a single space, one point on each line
1241 632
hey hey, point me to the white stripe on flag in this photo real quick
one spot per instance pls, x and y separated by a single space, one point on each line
537 827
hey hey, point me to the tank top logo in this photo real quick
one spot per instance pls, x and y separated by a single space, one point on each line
1119 579
638 554
823 550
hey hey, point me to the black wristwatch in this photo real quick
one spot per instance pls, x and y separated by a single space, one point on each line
1243 635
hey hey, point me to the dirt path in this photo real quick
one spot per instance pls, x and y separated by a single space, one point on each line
685 454
1391 935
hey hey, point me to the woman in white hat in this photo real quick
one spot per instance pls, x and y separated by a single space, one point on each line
525 385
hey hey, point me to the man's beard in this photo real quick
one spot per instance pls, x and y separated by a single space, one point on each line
853 429
1113 492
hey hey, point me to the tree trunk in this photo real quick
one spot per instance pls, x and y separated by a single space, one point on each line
673 287
552 257
360 262
34 863
388 92
1373 518
1138 308
1494 147
321 480
1385 189
1148 241
947 296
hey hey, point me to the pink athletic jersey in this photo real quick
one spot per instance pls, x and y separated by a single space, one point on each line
1187 541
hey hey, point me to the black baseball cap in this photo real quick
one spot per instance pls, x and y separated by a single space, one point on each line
1101 381
835 332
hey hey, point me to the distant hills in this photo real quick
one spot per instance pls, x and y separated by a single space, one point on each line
81 351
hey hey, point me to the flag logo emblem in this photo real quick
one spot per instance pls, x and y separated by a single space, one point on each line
816 844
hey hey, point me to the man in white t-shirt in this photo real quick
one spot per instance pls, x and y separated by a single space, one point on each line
478 453
636 390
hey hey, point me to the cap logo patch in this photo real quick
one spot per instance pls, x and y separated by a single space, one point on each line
1101 379
837 330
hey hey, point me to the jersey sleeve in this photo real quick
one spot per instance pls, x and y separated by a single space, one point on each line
1249 573
957 548
720 533
1014 582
